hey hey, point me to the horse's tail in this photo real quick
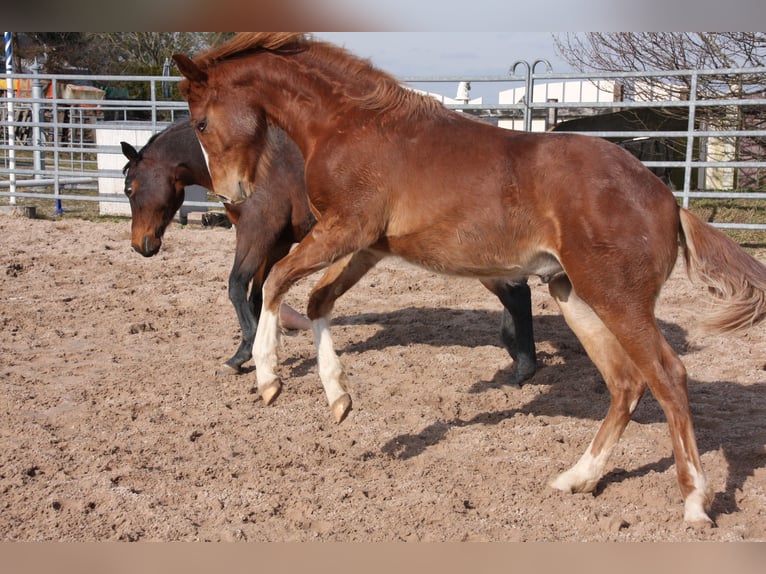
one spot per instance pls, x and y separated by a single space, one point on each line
737 280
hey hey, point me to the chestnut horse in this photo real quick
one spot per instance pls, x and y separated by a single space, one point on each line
391 172
267 224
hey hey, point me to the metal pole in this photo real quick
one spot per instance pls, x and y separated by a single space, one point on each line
527 92
11 127
690 140
529 84
37 94
166 93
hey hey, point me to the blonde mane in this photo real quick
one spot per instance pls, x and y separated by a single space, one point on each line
360 81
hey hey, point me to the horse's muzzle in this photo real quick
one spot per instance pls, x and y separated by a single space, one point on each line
149 245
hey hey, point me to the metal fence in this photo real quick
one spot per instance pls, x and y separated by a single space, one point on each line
706 131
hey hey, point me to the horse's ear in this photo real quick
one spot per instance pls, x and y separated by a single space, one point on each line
189 69
129 151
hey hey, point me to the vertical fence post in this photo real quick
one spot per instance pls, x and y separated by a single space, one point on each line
11 129
529 83
690 140
37 140
56 147
527 99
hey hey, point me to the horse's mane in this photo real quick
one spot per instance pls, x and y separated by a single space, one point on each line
379 90
179 124
246 43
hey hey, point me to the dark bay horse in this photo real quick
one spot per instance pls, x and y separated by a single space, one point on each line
267 224
392 172
155 178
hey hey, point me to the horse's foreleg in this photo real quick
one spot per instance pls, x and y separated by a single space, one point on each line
317 250
246 310
516 328
265 355
338 279
254 258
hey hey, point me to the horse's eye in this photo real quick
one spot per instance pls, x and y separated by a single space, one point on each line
201 125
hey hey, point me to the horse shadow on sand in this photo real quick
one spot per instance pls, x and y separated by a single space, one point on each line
718 426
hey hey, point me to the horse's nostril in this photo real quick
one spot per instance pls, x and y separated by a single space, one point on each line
148 246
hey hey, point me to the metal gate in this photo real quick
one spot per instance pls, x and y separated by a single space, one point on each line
60 133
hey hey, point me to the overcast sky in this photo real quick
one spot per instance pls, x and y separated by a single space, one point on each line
448 53
451 54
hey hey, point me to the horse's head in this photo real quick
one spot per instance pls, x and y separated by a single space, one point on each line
155 189
235 144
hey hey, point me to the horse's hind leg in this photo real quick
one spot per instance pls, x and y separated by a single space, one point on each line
516 328
630 352
623 380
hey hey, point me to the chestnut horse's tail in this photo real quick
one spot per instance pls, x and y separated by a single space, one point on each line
737 280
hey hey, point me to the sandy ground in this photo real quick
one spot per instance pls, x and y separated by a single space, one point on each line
115 426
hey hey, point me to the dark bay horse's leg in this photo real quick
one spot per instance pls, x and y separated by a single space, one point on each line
516 331
247 310
252 261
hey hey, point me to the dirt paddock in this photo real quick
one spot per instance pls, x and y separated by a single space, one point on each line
115 426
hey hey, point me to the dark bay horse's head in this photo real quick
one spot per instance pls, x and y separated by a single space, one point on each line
155 178
155 191
236 145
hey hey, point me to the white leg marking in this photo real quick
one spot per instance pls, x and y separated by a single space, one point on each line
698 500
265 348
583 476
330 369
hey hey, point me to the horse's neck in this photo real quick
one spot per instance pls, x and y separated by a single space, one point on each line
180 145
295 103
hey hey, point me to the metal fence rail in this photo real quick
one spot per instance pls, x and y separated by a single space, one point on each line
55 139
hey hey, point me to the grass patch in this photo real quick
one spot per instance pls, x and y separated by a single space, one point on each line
735 211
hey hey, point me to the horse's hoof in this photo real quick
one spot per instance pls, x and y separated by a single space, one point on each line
341 407
701 524
571 482
270 392
226 369
523 372
695 515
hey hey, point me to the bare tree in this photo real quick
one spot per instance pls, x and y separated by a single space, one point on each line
641 51
645 51
650 51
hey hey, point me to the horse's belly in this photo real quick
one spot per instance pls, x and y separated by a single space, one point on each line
470 257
